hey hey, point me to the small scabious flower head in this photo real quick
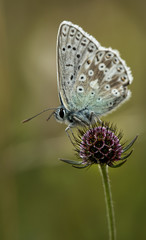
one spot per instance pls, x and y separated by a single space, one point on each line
100 144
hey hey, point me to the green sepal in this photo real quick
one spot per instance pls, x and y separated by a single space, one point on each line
125 157
72 162
81 167
117 165
130 144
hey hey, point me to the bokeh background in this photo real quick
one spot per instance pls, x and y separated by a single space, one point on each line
41 197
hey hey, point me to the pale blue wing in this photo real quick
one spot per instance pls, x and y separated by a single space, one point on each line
101 83
89 76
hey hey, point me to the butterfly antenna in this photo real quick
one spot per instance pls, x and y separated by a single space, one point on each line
50 116
28 119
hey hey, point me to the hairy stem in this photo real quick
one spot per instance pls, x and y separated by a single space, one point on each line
108 200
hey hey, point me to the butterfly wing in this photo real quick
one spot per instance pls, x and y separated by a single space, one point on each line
89 76
74 46
101 83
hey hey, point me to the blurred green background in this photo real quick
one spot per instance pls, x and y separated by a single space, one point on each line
40 197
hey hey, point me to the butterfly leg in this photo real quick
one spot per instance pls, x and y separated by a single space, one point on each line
80 121
72 133
94 119
66 130
99 120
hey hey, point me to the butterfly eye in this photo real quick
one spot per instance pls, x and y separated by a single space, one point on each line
61 113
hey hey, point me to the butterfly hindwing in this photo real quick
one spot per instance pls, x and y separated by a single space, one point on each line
102 81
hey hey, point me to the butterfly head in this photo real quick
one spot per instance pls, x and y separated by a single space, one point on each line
61 115
71 118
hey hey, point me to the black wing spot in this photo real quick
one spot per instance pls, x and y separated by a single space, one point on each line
90 50
83 44
69 65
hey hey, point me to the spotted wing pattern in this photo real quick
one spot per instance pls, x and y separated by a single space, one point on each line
101 83
89 76
74 46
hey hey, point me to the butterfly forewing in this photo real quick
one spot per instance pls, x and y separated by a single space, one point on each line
74 46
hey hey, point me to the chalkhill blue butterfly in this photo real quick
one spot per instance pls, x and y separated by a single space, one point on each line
92 80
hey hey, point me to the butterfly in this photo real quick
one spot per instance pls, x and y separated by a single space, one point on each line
92 80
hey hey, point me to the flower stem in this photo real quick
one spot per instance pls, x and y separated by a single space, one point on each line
108 200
